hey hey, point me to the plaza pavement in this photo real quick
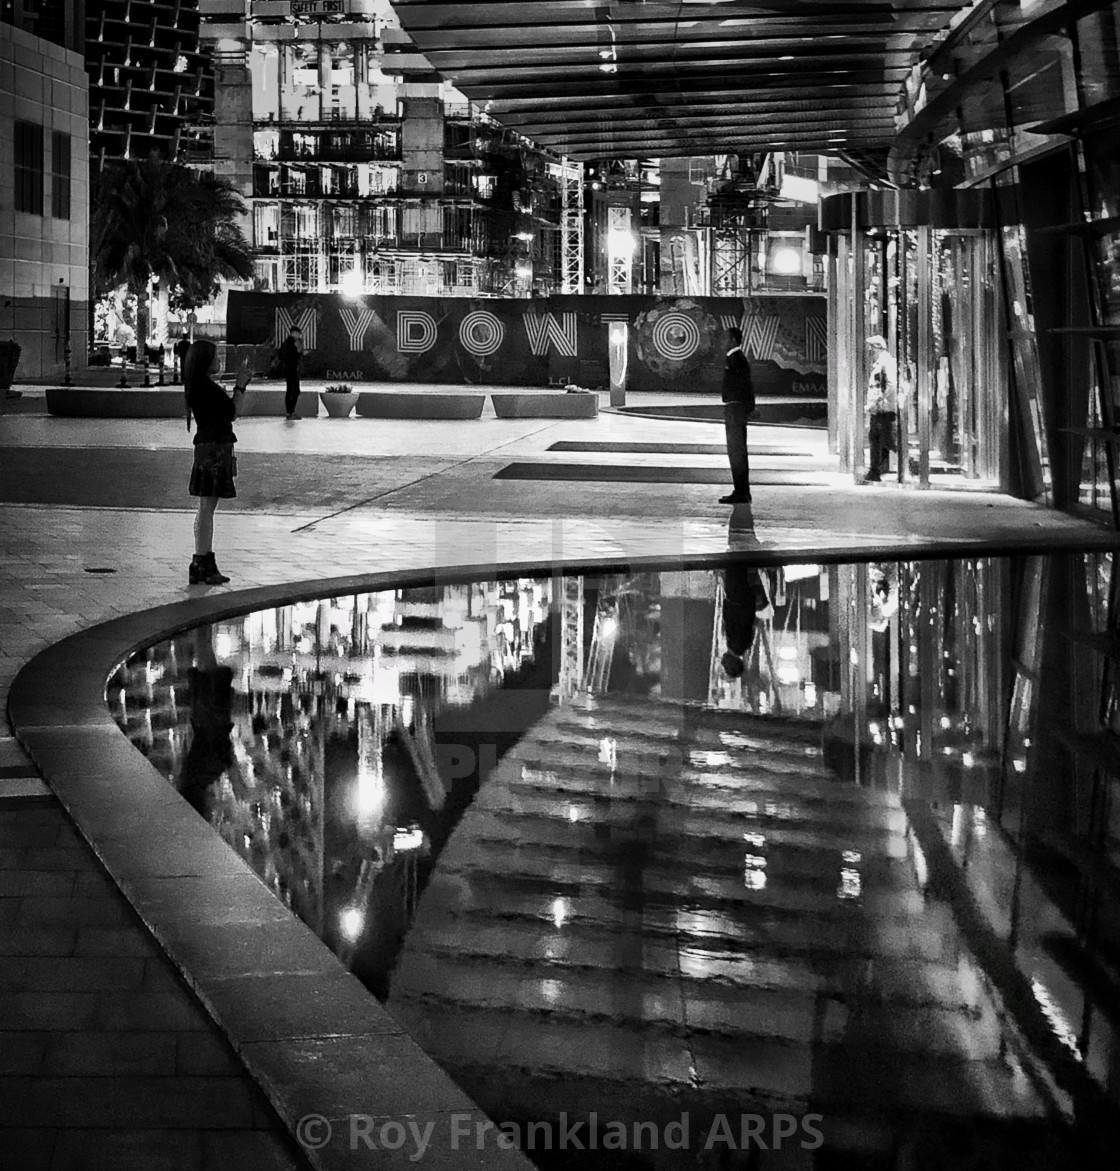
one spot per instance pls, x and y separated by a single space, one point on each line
107 1060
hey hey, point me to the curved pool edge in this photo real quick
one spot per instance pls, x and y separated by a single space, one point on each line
305 1029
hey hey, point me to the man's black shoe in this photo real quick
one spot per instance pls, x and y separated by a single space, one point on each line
736 498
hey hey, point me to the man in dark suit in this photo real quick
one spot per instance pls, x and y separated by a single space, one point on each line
738 403
291 352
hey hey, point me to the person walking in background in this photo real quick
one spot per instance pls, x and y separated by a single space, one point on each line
181 348
738 403
215 466
291 353
882 408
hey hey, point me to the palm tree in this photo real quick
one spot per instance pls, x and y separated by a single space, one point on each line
155 219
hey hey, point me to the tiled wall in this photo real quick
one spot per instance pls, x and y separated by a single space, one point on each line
40 256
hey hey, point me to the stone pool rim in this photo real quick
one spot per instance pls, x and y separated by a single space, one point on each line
295 1016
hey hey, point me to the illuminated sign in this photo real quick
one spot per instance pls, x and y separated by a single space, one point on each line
318 7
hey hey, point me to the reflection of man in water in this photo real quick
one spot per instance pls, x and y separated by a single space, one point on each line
744 596
211 752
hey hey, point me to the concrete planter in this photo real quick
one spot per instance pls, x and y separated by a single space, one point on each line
339 406
386 405
546 406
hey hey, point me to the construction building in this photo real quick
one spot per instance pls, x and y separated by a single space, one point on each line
365 172
151 89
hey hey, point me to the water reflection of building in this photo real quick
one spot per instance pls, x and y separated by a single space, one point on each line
334 760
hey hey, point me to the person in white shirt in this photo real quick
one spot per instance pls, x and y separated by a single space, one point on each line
882 408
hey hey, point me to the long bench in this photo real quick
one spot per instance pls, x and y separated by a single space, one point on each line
78 402
385 405
546 406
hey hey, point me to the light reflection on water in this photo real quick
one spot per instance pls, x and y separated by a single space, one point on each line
840 838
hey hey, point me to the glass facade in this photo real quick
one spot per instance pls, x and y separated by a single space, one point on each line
934 295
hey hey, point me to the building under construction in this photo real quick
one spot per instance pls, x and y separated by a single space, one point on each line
367 173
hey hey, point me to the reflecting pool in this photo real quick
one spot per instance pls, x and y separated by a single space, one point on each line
829 848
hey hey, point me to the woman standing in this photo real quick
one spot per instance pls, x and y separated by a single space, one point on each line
215 466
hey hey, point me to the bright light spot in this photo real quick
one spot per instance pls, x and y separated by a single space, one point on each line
850 884
852 857
608 627
573 813
408 709
608 751
560 911
754 879
371 793
946 722
967 759
788 674
405 840
223 644
787 652
1053 1013
352 921
621 241
754 839
810 694
180 65
786 262
608 67
1020 764
754 862
525 271
352 283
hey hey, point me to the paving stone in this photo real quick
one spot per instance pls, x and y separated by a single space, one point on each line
145 1011
70 973
251 1149
26 1148
204 1054
110 1054
126 1102
128 1150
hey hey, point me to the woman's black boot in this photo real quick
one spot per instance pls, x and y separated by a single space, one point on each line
204 571
214 574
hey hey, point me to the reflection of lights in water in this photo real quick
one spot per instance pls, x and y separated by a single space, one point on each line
788 674
351 922
948 750
608 751
754 878
608 627
850 884
573 813
560 911
873 728
787 652
980 821
551 990
800 572
754 839
957 829
411 838
708 758
810 694
967 759
946 722
1020 764
1052 1011
853 657
223 644
754 862
852 857
371 792
408 710
921 869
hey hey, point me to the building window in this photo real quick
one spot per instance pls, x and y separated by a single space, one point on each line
29 168
60 175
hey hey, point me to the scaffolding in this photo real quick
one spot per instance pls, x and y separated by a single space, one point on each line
571 226
734 220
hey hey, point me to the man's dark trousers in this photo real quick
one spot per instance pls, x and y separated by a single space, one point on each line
735 424
291 393
881 427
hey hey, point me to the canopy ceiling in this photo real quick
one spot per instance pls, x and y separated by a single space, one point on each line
624 78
